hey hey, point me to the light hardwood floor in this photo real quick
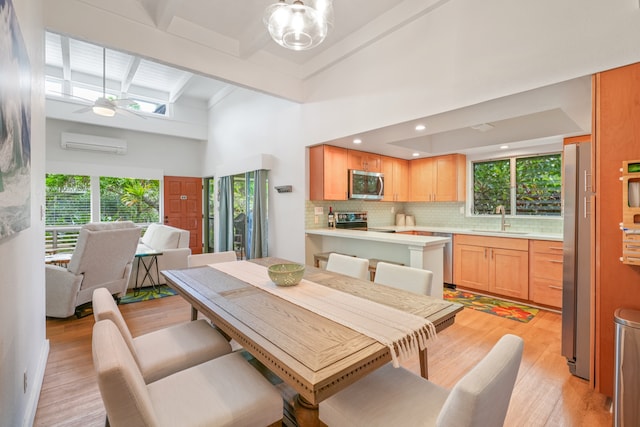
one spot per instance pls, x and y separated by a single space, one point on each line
545 393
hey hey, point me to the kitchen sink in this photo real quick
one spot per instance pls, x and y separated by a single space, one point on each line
501 231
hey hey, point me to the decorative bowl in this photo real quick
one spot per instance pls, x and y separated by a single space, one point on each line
286 274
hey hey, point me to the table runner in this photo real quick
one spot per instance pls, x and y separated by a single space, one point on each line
403 333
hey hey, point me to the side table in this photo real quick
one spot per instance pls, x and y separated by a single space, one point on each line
152 257
61 259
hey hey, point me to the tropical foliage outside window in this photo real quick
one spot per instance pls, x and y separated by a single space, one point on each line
69 199
525 186
129 199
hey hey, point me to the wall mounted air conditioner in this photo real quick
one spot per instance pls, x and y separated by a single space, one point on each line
76 141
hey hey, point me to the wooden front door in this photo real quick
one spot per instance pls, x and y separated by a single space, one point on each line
183 207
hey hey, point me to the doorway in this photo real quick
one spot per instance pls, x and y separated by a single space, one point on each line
183 207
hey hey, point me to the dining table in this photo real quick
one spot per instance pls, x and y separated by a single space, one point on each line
313 354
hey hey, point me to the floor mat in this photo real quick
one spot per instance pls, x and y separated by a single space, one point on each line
147 293
510 310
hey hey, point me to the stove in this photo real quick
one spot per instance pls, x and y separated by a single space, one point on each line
351 220
356 221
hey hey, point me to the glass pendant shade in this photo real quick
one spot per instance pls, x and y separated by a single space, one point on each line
297 26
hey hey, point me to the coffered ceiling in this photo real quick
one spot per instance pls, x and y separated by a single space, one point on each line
236 29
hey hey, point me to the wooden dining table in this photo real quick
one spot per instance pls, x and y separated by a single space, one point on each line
315 356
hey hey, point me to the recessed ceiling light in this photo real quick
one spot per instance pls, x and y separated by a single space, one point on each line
420 127
357 141
415 154
504 147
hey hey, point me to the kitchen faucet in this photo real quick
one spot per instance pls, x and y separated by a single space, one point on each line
503 224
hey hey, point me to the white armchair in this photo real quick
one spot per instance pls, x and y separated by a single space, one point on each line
172 242
102 257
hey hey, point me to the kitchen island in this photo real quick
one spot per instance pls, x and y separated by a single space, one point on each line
425 252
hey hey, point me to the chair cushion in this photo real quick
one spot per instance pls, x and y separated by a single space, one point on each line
387 397
211 258
226 391
104 307
481 398
122 387
161 237
168 350
402 277
349 266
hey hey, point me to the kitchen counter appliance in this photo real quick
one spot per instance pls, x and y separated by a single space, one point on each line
447 272
366 185
356 221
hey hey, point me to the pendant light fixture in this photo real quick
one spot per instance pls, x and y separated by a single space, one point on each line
299 26
102 106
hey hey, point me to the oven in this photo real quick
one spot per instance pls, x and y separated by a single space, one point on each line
356 221
351 220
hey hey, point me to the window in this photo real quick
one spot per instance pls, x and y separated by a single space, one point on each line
527 186
129 199
88 93
69 199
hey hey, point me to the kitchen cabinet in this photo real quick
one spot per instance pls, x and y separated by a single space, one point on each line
545 272
328 173
493 264
396 179
438 179
363 161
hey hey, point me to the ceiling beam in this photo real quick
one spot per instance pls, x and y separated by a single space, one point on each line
66 65
179 87
254 37
129 74
165 11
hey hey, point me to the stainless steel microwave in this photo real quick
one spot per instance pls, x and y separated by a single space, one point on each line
366 185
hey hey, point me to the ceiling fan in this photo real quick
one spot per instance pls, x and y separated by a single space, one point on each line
104 106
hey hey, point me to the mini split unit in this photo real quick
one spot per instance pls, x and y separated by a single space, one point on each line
75 141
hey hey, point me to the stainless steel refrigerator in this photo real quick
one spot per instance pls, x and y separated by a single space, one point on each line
576 296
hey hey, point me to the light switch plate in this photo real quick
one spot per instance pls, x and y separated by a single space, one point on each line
318 210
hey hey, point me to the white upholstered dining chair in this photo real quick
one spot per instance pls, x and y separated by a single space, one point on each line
211 258
397 397
225 391
409 279
348 265
164 351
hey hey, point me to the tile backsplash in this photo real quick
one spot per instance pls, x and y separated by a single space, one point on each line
434 214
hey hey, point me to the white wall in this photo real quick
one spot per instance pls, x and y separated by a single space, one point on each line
23 346
246 124
467 52
149 155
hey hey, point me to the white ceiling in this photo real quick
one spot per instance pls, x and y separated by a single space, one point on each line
236 27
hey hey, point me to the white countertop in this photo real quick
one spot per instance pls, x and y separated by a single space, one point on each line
426 240
397 238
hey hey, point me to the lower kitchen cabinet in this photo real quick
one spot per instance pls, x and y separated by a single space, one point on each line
494 264
545 272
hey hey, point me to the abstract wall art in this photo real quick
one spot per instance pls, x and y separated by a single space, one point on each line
15 125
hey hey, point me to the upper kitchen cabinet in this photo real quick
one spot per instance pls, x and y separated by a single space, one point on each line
327 173
438 179
396 179
363 161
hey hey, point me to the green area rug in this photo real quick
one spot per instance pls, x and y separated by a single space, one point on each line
147 293
510 310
